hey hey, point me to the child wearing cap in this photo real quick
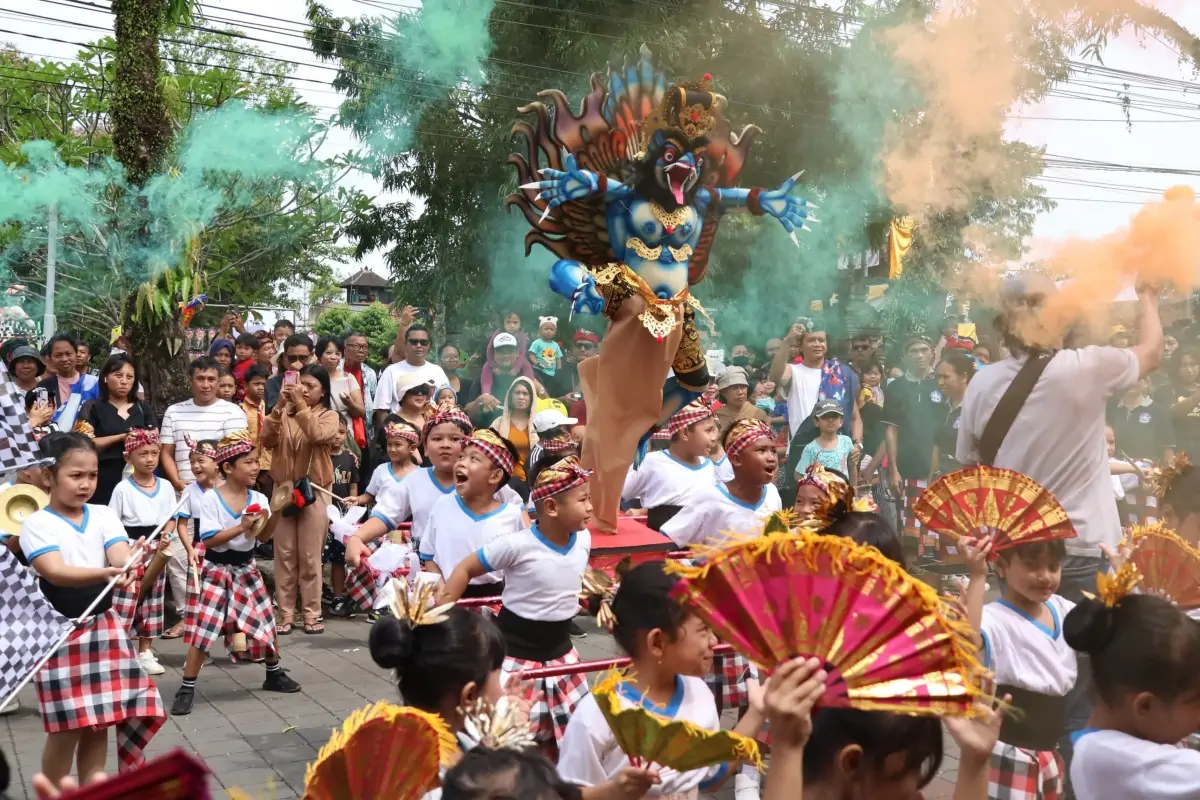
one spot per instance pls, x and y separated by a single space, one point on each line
830 449
545 354
142 502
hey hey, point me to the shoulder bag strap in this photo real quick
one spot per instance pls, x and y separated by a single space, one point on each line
1009 406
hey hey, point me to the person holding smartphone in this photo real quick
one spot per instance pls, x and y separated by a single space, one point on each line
297 353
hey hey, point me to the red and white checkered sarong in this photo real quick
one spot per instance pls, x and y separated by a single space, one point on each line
727 680
95 681
912 491
233 599
146 619
360 580
1018 774
554 698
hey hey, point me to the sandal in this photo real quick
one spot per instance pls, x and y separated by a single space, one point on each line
313 628
174 632
283 629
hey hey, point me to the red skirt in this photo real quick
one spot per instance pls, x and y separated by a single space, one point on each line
232 600
95 681
144 620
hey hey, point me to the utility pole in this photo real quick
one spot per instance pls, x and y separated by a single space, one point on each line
48 321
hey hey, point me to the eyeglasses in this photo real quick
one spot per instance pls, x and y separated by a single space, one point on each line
585 345
356 346
419 342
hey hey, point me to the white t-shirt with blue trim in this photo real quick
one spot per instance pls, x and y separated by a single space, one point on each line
217 516
1111 765
713 512
415 496
663 480
1023 652
80 545
455 532
136 506
589 754
384 480
542 580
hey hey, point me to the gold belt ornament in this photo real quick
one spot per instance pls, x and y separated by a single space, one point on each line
678 254
660 317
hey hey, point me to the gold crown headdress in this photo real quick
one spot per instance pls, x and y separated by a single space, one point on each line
503 725
688 107
1161 483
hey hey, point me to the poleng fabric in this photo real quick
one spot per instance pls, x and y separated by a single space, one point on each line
95 681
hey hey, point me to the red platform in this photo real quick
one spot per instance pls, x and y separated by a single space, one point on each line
632 539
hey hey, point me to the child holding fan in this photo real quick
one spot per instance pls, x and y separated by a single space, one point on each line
94 681
142 502
671 649
738 506
233 598
543 570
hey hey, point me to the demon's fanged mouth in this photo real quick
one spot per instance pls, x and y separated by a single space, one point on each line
679 176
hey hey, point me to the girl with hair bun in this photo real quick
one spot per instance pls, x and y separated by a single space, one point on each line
1145 657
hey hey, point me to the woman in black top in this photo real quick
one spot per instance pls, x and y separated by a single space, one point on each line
953 374
112 415
1185 405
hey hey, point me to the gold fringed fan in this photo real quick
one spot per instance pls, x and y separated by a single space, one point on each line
647 738
382 751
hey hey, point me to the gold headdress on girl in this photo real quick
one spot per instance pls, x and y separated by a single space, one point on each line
1162 482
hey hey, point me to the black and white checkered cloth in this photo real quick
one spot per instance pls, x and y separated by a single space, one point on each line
30 628
18 449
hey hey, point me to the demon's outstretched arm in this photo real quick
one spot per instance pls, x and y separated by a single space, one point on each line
792 212
573 183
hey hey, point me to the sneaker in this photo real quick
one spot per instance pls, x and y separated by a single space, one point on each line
150 664
576 630
746 787
182 706
278 681
341 607
377 614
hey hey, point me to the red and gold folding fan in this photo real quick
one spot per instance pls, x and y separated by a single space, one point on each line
383 750
978 501
888 641
176 775
1169 566
650 739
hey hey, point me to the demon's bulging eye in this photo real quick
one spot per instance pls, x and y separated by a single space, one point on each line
670 154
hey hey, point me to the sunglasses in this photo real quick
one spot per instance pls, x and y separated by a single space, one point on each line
425 390
585 345
294 359
419 342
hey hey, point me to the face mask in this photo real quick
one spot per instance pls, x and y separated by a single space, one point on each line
765 403
740 361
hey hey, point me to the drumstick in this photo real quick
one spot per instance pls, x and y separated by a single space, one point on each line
331 494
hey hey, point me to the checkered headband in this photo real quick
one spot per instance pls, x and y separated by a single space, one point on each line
204 447
493 447
448 413
139 438
234 445
558 478
559 444
689 415
746 432
399 430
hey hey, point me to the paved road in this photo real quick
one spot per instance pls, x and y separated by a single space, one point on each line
262 742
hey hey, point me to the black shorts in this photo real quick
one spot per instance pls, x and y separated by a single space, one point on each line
335 551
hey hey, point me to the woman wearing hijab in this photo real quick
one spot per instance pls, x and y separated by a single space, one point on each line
513 424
